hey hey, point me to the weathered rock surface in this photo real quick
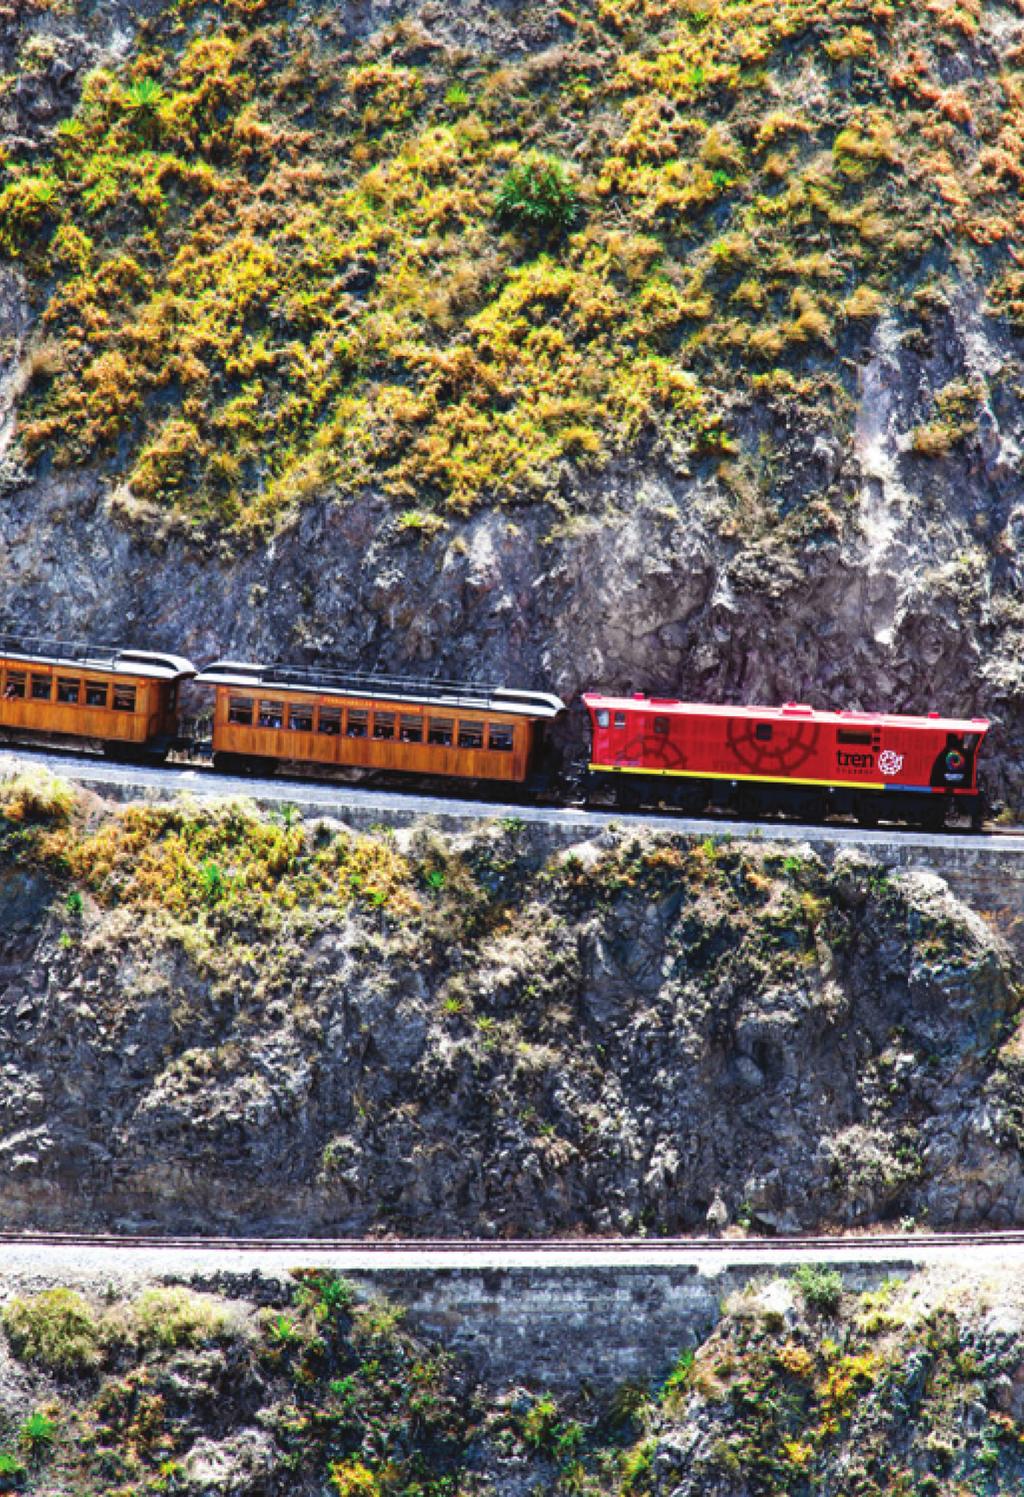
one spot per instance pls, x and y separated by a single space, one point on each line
639 1036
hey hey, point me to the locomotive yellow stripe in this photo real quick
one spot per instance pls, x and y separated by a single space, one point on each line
761 779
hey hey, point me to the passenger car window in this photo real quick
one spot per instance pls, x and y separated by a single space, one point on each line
67 689
384 725
240 711
15 688
124 698
358 722
499 737
412 728
471 735
42 688
300 717
439 731
763 732
96 693
330 721
271 714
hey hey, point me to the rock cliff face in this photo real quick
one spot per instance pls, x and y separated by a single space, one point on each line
798 228
233 1024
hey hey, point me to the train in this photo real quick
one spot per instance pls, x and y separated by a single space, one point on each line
645 752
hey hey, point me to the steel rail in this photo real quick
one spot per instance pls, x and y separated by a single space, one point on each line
888 1242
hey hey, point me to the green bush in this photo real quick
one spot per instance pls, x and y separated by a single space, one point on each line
175 1317
539 195
56 1329
12 1472
822 1288
37 1435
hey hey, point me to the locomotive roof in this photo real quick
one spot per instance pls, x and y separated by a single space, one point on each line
789 711
327 680
108 659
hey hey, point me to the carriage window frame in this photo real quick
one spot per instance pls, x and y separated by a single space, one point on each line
329 722
501 738
41 687
270 713
240 711
300 717
124 699
69 690
441 731
384 727
97 694
15 685
470 735
411 727
357 722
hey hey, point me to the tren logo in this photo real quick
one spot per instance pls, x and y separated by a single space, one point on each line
889 762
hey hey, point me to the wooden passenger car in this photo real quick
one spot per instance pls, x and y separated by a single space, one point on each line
375 723
121 699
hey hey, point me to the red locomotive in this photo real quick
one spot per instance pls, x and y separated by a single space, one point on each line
792 759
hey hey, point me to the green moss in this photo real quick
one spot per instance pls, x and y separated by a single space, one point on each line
268 264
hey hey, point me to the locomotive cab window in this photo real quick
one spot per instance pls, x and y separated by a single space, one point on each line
412 728
763 732
14 691
124 698
471 735
358 722
499 737
42 688
330 721
603 717
67 690
846 735
439 731
620 719
271 714
95 693
661 726
240 711
300 717
384 725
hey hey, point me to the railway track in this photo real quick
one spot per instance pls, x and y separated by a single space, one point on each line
367 805
869 1243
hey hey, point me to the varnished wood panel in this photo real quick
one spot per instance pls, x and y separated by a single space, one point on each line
76 719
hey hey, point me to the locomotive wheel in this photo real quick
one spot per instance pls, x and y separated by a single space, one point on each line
866 812
628 794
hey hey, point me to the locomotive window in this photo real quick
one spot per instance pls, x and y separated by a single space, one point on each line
42 688
661 725
620 719
300 717
95 693
358 722
471 735
240 711
124 698
499 737
412 728
763 732
330 721
970 739
845 735
271 714
67 690
602 717
15 688
439 731
384 725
